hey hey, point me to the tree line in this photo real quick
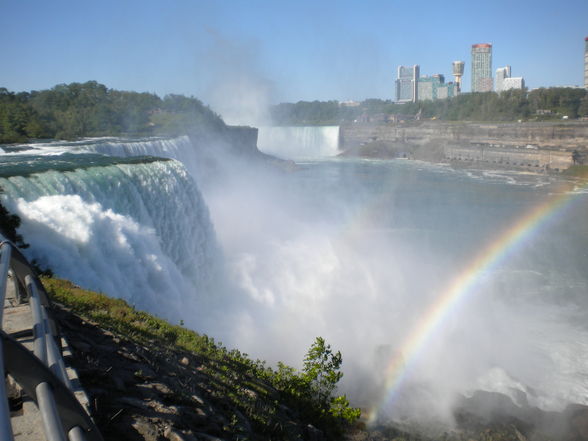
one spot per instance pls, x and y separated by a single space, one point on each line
512 105
70 111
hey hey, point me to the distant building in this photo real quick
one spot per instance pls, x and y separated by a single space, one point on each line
427 88
505 82
586 63
447 90
434 87
513 83
501 74
406 84
482 67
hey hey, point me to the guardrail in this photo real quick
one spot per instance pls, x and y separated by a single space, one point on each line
41 374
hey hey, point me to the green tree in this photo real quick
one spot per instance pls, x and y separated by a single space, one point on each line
321 373
322 369
76 110
8 225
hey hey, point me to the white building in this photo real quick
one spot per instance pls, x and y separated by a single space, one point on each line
407 84
513 83
501 74
505 82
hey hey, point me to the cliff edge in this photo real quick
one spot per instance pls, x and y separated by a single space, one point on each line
538 146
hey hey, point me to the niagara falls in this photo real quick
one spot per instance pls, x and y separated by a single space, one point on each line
302 220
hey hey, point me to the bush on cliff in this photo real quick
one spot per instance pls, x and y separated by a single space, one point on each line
8 224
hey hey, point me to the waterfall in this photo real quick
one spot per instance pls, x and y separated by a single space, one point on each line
139 231
299 142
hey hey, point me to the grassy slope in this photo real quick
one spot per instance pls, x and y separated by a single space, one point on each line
267 398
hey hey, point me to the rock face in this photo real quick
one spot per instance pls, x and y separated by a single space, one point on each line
224 152
511 157
235 140
485 410
547 145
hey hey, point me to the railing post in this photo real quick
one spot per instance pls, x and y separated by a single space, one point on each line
54 358
39 331
5 426
49 415
76 434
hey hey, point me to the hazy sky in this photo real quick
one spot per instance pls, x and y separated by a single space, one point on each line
284 50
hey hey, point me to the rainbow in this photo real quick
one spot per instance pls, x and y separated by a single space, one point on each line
464 285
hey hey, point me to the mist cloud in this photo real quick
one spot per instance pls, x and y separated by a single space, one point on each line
237 88
307 264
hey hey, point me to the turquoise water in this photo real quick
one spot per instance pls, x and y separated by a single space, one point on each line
24 165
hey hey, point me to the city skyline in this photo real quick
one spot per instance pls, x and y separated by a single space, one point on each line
274 52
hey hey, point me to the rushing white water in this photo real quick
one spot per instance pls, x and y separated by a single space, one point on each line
299 142
178 148
137 231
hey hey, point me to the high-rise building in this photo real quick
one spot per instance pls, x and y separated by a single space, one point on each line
586 63
458 67
406 84
482 67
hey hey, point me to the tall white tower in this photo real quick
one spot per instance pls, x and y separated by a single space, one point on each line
458 67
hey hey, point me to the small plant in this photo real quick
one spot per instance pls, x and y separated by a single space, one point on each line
340 409
322 370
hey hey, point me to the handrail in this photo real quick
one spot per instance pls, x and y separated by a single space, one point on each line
41 373
5 249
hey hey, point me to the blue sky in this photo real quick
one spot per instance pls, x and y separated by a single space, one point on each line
281 50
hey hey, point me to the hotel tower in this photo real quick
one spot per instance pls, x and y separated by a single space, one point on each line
482 67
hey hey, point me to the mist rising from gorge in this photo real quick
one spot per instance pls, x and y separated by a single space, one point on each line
357 253
237 89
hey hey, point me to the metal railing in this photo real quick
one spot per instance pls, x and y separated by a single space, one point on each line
41 373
